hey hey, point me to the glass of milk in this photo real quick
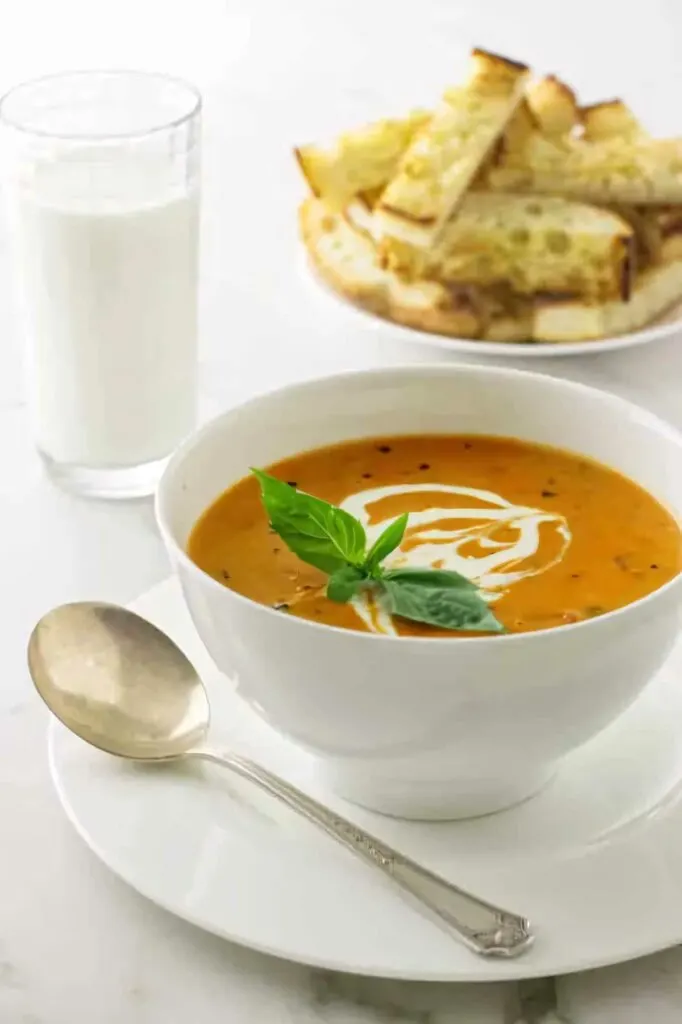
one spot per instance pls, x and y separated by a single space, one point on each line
102 182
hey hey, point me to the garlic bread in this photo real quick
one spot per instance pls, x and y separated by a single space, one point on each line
657 289
536 244
441 161
360 160
641 171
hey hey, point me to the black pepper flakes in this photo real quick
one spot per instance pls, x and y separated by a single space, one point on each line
548 494
468 446
384 448
653 565
575 575
292 483
424 465
225 574
366 476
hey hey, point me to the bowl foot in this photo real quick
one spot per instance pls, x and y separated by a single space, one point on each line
432 800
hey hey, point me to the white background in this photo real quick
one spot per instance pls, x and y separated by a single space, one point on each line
75 945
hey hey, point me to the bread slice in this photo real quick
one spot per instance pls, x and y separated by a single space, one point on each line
611 119
657 290
348 261
658 229
514 138
361 160
548 109
669 224
441 161
640 171
536 244
553 105
528 244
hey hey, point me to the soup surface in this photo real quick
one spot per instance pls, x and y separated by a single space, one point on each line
548 536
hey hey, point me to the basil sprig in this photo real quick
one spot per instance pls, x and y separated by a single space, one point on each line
336 543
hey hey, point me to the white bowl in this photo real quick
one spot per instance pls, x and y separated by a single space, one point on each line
416 727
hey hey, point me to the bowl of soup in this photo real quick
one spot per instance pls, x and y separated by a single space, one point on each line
561 503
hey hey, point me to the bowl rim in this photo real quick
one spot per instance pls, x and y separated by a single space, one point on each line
213 426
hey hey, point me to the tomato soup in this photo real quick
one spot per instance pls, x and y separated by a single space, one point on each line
549 537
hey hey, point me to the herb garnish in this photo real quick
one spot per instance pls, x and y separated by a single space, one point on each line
335 542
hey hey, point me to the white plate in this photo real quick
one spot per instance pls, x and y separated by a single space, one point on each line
594 860
669 325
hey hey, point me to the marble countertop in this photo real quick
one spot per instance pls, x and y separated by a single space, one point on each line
76 945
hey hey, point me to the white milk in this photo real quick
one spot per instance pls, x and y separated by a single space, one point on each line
106 255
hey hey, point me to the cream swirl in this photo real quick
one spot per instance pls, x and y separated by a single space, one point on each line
499 538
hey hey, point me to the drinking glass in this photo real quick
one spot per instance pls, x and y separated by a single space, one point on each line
102 189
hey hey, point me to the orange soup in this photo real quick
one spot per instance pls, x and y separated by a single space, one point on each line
549 537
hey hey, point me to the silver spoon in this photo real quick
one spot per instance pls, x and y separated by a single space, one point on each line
122 685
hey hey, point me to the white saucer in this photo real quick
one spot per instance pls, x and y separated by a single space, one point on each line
669 325
593 860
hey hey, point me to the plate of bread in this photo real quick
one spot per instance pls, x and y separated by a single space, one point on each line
508 220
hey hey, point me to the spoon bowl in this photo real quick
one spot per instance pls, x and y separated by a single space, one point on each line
118 682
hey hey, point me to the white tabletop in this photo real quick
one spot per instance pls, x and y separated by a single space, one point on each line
75 944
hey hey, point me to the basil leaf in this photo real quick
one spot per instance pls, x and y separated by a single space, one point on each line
334 541
319 533
422 597
431 577
388 541
344 583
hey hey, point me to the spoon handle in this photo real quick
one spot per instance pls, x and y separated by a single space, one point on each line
484 928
